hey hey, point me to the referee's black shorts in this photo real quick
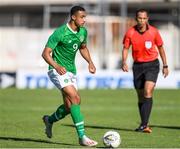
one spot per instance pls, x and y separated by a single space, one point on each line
145 71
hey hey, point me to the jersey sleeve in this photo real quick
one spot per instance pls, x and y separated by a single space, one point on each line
127 40
54 39
85 37
158 39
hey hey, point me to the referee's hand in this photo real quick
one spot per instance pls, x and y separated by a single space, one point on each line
125 67
165 72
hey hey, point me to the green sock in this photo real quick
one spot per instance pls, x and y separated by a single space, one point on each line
77 119
59 114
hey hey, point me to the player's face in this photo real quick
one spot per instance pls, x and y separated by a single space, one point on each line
142 19
79 18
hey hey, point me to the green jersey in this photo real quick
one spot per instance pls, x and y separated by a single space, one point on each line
65 43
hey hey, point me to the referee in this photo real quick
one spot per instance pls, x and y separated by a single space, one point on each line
146 44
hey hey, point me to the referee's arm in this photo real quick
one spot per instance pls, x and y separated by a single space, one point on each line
124 58
162 53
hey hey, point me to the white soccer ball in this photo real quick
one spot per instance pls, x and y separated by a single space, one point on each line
111 139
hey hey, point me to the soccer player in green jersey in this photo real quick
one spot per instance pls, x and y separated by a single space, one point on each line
59 53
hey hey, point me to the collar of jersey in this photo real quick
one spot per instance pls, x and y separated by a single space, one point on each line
71 29
147 28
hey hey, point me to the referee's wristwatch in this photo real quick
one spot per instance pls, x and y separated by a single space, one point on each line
165 66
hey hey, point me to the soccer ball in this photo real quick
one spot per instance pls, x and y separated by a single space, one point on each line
111 139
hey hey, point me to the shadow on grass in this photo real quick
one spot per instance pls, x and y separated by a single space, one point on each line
33 140
166 127
101 127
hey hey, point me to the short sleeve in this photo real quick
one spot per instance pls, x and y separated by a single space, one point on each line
85 37
54 39
158 39
127 40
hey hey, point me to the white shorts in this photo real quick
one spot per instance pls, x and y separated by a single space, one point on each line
61 81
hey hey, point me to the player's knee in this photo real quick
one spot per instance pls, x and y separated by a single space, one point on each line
75 99
148 93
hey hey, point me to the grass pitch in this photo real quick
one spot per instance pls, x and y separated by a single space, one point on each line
21 124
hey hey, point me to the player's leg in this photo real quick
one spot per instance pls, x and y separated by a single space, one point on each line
146 106
61 111
140 95
148 101
142 112
59 114
151 74
73 100
139 81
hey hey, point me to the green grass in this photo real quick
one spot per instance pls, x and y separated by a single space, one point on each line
21 125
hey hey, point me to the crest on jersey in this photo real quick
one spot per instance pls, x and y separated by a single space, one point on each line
81 38
148 44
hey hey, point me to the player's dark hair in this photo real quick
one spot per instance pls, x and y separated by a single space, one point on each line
142 10
75 9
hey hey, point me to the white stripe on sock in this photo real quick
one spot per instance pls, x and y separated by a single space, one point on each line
81 130
56 116
80 123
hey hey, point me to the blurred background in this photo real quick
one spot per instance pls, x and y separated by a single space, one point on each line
25 26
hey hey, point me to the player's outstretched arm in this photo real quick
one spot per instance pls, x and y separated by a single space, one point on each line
46 54
86 55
